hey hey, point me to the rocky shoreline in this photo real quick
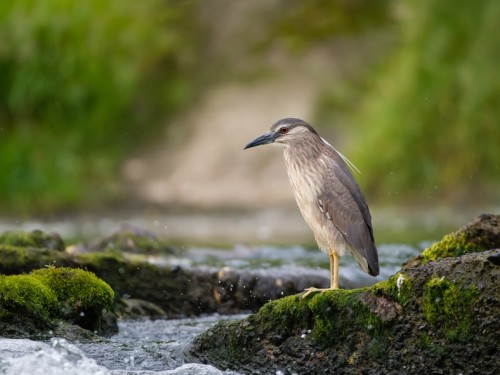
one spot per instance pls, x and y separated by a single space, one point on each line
126 261
438 314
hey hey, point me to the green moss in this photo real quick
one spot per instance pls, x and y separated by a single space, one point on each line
427 342
110 266
278 314
449 307
25 297
337 312
101 260
16 260
36 239
82 295
10 256
452 245
398 287
328 315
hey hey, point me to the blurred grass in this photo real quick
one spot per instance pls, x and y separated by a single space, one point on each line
84 85
80 86
302 24
428 127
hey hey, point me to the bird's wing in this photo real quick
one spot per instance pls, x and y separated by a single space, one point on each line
342 202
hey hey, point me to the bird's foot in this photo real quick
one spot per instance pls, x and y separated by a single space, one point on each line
312 290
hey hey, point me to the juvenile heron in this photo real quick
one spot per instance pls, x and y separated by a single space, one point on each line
328 197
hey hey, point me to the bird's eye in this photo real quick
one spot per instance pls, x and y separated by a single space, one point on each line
283 130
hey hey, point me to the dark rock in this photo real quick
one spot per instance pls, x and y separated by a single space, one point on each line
438 316
372 329
495 258
73 332
132 308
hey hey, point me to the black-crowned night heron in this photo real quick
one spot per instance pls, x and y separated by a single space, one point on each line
329 198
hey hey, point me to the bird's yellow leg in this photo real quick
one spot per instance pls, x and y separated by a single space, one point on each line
334 275
334 270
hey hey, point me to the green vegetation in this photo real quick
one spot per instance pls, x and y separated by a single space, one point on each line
480 235
36 239
303 24
431 120
81 85
329 316
398 287
448 307
84 85
16 259
25 297
452 245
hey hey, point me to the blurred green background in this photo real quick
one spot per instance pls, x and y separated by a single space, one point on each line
85 85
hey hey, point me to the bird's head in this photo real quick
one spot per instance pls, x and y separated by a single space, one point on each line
285 132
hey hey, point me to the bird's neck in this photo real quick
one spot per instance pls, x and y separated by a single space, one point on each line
303 153
302 165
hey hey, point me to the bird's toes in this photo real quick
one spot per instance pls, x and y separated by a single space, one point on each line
309 291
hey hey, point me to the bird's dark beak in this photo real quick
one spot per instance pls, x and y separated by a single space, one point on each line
264 139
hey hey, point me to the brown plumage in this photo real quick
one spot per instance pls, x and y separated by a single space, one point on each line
328 197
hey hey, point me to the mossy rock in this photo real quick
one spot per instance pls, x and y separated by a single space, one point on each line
178 291
23 297
31 305
481 234
18 259
82 296
130 239
34 239
448 306
419 321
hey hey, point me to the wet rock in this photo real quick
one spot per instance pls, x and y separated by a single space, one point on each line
73 332
178 291
437 316
133 308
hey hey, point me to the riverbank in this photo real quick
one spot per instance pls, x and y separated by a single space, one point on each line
280 225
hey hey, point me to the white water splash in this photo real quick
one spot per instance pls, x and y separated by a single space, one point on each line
57 358
142 348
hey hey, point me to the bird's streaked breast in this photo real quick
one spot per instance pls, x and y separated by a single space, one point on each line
307 184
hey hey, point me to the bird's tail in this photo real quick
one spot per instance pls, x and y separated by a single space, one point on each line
368 265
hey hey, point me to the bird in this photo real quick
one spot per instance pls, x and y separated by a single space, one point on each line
330 200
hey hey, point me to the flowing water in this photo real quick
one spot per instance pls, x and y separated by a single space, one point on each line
157 347
140 348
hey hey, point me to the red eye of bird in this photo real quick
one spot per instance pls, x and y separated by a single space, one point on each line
283 130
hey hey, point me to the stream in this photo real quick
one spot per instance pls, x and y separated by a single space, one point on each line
146 347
